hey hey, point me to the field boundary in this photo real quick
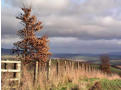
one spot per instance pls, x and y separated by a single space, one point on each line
16 70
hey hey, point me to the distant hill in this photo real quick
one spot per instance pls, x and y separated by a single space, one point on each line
86 56
6 51
115 57
115 53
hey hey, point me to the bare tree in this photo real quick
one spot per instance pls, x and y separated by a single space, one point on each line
105 64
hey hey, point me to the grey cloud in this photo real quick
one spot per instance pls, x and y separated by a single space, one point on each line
88 25
9 23
69 26
73 27
74 45
40 4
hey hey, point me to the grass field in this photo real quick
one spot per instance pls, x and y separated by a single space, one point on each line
68 79
71 79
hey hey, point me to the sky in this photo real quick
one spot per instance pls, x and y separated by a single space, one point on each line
73 26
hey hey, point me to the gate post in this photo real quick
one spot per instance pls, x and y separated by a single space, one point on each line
19 74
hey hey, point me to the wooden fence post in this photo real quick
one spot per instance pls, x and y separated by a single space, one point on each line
35 72
48 69
57 67
65 65
82 65
78 65
73 63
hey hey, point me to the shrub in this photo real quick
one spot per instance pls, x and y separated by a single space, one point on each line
105 64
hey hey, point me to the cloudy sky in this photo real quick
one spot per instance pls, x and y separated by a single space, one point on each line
73 26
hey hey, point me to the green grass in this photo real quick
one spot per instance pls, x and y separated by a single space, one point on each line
105 84
113 69
66 86
111 84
